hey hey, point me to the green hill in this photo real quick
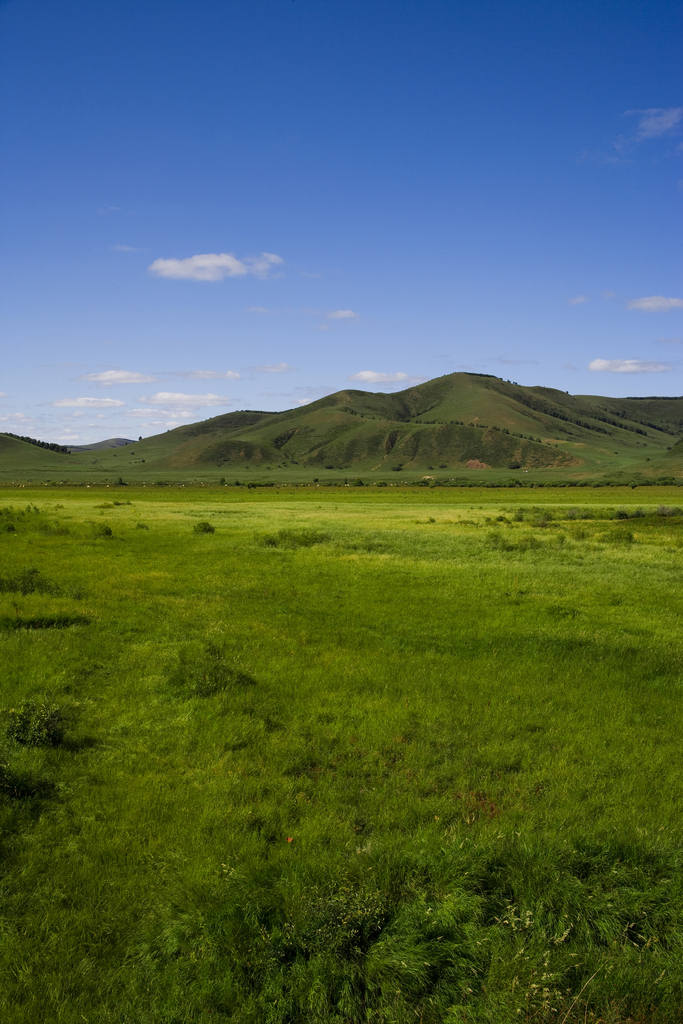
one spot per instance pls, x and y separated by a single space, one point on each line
439 426
23 459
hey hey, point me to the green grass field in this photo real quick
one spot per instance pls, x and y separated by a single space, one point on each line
357 755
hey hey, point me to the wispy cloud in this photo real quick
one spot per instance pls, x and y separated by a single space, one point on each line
215 266
273 368
655 121
628 366
109 209
516 362
374 377
568 366
655 304
669 341
578 300
652 123
88 403
323 327
332 314
15 417
109 377
312 393
342 314
178 400
207 374
124 248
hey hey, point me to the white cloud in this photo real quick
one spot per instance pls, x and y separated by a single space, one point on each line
123 248
628 366
669 341
276 368
656 121
323 327
342 314
578 300
166 417
178 400
373 377
215 266
655 304
88 403
109 377
207 374
608 295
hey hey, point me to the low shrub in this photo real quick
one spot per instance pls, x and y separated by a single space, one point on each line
35 724
293 539
205 671
620 536
204 527
18 785
27 581
503 542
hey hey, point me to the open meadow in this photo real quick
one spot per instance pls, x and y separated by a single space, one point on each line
341 755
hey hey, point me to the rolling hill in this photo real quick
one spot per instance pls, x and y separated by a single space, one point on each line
441 426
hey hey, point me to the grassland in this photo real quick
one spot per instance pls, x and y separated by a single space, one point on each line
341 755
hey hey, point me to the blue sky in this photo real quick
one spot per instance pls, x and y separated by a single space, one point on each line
224 205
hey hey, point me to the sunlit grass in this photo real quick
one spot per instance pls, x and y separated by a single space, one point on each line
344 759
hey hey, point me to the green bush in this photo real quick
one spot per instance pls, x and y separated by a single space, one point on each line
35 724
204 672
293 539
204 527
27 581
20 785
620 536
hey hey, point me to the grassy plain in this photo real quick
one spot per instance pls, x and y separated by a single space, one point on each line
356 755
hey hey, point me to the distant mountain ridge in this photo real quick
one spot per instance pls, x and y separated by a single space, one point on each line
111 442
461 422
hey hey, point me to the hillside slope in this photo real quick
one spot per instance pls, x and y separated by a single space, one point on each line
451 420
443 424
23 458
